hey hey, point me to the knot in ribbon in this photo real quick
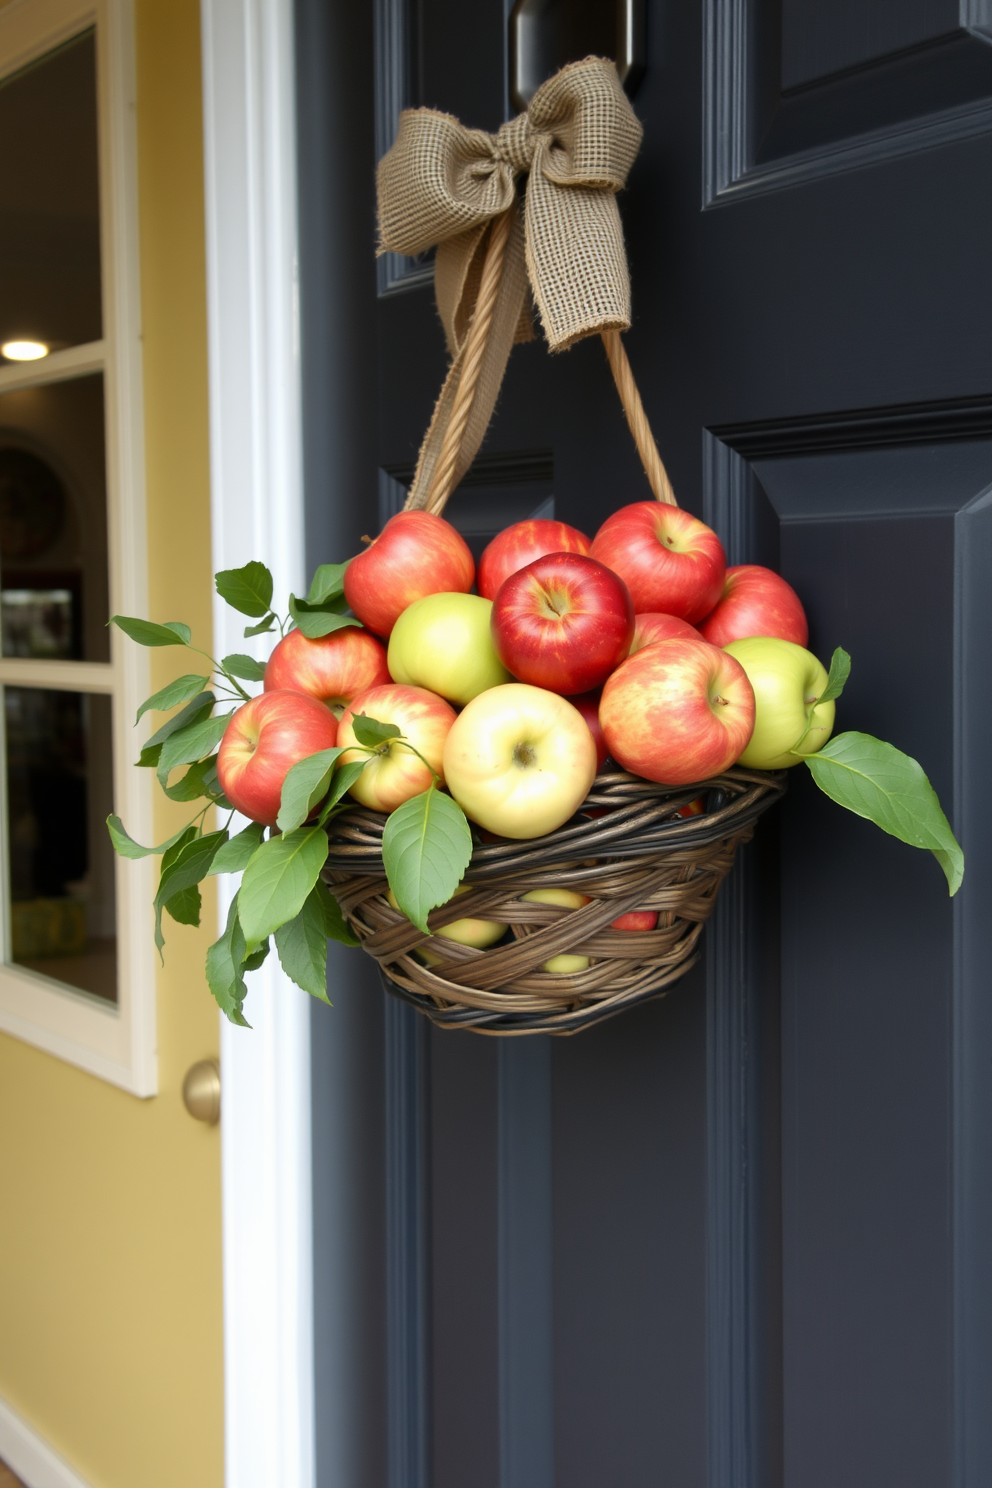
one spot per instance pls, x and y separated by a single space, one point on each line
445 186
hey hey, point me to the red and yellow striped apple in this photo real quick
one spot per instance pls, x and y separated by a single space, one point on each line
670 561
395 773
756 602
654 627
332 669
416 553
265 738
516 546
677 711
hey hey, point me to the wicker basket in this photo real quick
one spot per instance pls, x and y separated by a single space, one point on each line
627 848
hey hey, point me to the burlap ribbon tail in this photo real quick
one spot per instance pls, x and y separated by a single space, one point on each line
456 189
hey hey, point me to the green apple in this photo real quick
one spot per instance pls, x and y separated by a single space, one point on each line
444 642
786 680
565 964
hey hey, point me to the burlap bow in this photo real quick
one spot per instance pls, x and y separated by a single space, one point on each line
444 185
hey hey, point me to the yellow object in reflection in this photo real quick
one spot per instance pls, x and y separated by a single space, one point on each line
47 927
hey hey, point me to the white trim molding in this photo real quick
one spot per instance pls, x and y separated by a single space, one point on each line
31 1458
115 1042
257 512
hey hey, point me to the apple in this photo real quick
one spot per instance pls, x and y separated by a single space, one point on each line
670 561
588 705
415 554
563 622
568 899
467 932
520 544
265 738
655 627
395 773
444 642
332 669
756 602
519 760
677 711
786 680
636 919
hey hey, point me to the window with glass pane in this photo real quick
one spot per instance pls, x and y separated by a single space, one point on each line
59 858
50 201
60 911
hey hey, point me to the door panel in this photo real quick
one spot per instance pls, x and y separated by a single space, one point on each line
737 1238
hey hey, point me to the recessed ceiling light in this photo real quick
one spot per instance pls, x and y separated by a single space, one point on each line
23 351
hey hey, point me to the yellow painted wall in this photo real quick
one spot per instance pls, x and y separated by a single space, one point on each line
110 1264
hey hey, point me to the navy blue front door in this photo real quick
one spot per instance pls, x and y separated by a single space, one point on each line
740 1237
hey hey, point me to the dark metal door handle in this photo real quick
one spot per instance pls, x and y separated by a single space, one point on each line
545 34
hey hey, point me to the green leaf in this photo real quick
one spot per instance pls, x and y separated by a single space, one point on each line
128 848
225 968
200 780
278 879
261 628
147 633
426 846
302 946
304 787
840 670
372 733
198 708
187 835
877 781
344 778
236 854
191 743
190 864
248 589
176 692
245 667
184 906
318 621
336 927
257 958
327 583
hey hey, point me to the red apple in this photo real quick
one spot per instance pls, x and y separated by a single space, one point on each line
332 669
562 623
263 741
521 544
415 554
588 705
654 627
395 773
670 561
694 808
676 712
636 919
756 602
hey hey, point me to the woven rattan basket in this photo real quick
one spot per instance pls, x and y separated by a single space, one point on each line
626 849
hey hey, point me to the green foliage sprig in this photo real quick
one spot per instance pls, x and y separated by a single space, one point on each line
281 897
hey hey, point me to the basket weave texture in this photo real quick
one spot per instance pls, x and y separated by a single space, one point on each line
627 849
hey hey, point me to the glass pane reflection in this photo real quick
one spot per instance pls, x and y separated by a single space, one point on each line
50 201
53 522
61 864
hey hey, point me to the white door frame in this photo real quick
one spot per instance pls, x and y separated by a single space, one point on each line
257 512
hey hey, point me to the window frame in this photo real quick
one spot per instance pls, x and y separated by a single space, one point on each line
115 1042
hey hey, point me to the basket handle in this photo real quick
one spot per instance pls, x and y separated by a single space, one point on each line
443 478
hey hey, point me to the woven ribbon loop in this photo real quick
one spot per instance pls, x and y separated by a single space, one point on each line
445 186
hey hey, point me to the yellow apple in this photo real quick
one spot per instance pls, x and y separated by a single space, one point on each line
444 642
786 679
519 760
565 963
467 932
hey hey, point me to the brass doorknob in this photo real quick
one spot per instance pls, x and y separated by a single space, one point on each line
201 1091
